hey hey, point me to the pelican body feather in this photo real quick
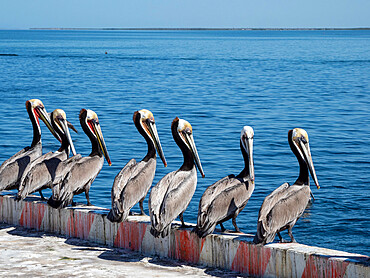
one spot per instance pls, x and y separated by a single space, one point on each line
12 169
170 198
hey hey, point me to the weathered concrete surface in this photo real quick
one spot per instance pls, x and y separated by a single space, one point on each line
30 253
233 252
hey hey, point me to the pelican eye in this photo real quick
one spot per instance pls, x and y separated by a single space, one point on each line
93 121
245 136
304 140
187 131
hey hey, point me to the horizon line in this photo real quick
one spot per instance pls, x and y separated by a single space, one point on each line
198 28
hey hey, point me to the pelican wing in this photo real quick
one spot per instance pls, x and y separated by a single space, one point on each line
13 168
82 173
288 209
62 170
64 167
30 167
214 190
139 183
42 173
271 199
14 157
157 195
178 196
233 197
120 181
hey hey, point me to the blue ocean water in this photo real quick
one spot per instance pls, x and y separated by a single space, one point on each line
219 81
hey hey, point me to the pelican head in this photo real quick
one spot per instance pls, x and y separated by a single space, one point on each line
60 124
246 139
147 123
36 108
92 122
185 131
300 141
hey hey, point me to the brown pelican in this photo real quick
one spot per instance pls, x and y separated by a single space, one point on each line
132 183
12 169
285 205
42 173
226 198
82 170
172 194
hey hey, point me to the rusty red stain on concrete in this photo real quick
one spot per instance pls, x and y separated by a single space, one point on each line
79 224
186 246
130 235
251 259
70 225
32 215
25 216
322 266
40 213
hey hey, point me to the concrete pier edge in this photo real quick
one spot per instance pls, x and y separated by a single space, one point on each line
233 252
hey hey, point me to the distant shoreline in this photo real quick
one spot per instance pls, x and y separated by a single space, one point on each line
206 29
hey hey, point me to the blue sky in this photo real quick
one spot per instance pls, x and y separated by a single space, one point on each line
21 14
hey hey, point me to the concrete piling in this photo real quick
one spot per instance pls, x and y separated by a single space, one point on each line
233 252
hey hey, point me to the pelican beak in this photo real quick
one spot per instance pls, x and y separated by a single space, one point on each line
44 116
154 134
190 141
99 136
247 143
71 126
65 124
305 147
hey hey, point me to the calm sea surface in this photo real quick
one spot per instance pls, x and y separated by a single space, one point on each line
219 81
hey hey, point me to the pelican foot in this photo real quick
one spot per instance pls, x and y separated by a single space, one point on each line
42 196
